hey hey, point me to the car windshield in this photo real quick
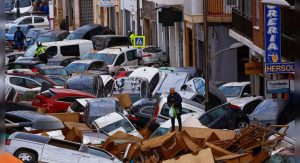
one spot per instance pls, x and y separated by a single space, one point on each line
45 39
77 107
108 58
56 71
172 80
231 91
58 81
30 51
17 20
31 34
159 132
77 67
24 3
267 110
84 84
150 50
121 124
88 56
74 36
12 30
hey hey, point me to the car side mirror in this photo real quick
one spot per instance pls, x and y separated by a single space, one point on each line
246 94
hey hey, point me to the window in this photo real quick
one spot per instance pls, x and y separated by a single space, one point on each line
98 152
40 80
64 144
38 20
120 60
97 66
17 81
246 90
131 55
199 99
249 108
31 84
48 93
67 99
26 21
200 86
209 117
70 50
51 51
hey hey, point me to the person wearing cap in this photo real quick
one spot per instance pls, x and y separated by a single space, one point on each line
174 100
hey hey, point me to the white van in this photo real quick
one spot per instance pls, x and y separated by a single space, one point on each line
64 48
118 56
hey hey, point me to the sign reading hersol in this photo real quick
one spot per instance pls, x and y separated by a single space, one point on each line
280 68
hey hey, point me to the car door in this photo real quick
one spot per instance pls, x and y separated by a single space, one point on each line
120 61
60 151
93 155
131 56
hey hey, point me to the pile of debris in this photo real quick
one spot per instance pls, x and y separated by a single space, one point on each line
251 144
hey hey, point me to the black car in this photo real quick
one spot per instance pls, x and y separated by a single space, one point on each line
92 84
33 65
52 35
140 113
62 61
105 41
274 112
226 116
88 31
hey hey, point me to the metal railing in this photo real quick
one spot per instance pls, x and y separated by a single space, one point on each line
221 7
242 23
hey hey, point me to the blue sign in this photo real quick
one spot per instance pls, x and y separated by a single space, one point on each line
139 42
272 34
280 68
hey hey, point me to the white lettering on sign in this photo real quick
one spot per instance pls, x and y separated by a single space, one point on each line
272 29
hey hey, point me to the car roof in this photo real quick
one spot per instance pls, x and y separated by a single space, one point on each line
87 61
30 137
34 116
52 67
140 72
86 28
184 100
236 84
66 42
28 62
22 25
70 91
61 58
53 33
116 49
241 102
108 119
106 36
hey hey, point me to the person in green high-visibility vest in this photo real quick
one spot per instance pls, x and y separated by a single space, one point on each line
131 37
40 53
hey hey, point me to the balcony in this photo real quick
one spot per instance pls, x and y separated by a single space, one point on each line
242 23
219 11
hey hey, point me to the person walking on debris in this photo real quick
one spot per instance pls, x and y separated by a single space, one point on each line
174 101
40 53
19 38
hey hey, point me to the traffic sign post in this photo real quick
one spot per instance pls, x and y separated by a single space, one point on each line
139 42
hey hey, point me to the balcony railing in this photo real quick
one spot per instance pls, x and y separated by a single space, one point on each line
242 23
219 8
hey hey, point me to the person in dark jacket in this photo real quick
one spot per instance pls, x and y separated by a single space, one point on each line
19 39
175 100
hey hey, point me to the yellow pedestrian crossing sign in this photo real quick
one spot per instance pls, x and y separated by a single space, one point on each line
139 42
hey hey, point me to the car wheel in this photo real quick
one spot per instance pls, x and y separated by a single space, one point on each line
241 124
26 156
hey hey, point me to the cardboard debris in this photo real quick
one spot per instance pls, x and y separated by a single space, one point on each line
156 142
67 117
124 100
74 131
218 151
236 158
204 156
124 137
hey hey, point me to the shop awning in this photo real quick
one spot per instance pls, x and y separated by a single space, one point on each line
168 2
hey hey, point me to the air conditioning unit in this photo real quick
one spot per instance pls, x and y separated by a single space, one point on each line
229 4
